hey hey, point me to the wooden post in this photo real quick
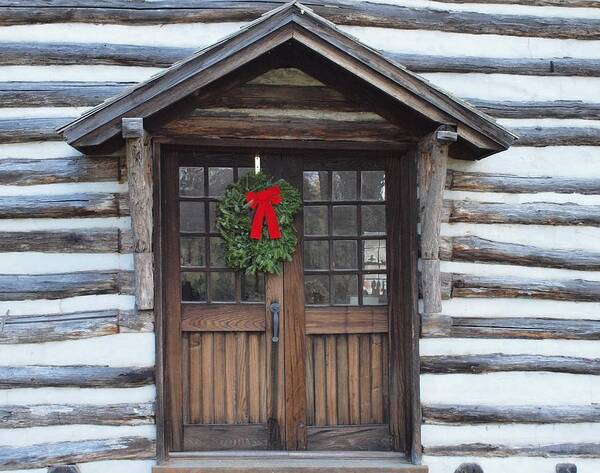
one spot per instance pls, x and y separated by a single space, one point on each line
139 178
432 159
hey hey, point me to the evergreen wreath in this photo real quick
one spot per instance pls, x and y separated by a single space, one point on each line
234 220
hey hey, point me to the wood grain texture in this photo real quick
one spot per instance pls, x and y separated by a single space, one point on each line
92 240
23 130
526 414
83 376
498 362
355 438
225 437
339 320
377 15
557 136
223 318
564 109
61 285
37 415
565 450
80 451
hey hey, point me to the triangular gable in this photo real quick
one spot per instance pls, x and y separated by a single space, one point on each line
297 23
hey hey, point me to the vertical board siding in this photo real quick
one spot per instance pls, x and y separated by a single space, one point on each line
346 379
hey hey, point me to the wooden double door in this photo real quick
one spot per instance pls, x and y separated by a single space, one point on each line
307 360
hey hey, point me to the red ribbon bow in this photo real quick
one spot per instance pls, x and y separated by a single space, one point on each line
263 202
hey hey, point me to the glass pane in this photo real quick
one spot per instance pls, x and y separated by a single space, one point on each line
253 288
243 171
316 185
374 289
193 286
344 185
222 287
191 216
374 254
372 185
344 220
315 221
316 255
191 182
316 289
344 254
373 219
212 217
218 181
217 253
345 289
192 251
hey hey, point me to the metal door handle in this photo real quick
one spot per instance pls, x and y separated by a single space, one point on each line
274 307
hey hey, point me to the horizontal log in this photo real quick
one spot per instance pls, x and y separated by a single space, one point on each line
22 130
64 206
80 451
26 172
465 285
57 327
82 376
535 328
557 136
497 362
566 450
22 416
536 3
469 414
15 12
562 109
510 183
531 213
14 287
22 53
93 240
136 321
475 249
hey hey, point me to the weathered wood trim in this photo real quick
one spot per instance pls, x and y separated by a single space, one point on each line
475 249
356 14
469 414
355 438
64 206
38 415
511 183
497 362
509 327
226 437
566 450
57 286
22 130
223 318
80 451
340 320
82 376
92 240
531 213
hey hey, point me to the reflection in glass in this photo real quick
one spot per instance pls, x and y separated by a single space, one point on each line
191 216
344 254
212 217
217 252
243 171
373 219
344 220
315 221
192 251
219 180
315 185
316 255
372 185
253 288
344 185
345 289
193 287
374 289
222 287
191 182
316 289
374 254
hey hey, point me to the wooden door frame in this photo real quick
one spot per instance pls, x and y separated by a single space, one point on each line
404 327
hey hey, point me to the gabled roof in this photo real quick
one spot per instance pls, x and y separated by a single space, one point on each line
297 23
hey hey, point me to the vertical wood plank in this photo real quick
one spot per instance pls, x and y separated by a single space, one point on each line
320 380
195 378
207 386
219 378
342 380
331 370
365 379
385 390
254 377
310 382
231 386
353 378
263 369
242 414
376 380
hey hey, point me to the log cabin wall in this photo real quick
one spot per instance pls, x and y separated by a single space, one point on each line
509 367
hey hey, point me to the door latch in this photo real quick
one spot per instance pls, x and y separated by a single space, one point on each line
274 307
